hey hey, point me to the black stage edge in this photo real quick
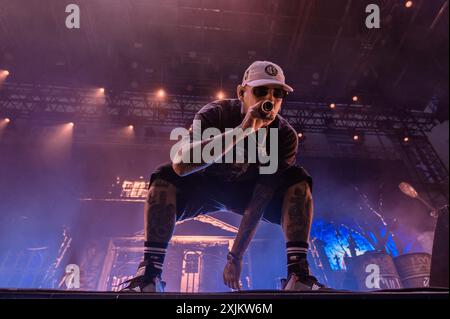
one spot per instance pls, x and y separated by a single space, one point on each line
268 304
427 293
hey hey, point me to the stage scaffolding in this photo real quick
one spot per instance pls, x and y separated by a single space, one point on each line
40 105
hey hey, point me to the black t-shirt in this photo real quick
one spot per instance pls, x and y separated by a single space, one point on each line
228 114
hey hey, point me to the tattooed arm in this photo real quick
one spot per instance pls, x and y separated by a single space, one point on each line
252 122
183 167
261 196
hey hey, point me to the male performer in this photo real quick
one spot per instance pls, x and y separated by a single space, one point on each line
184 189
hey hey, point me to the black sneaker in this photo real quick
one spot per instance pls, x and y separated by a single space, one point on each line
144 282
303 283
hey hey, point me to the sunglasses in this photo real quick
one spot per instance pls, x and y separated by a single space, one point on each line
261 91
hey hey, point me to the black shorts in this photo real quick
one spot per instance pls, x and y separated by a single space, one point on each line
200 194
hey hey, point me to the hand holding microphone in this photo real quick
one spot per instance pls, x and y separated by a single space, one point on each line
259 115
265 108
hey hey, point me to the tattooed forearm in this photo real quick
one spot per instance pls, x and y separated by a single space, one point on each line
228 139
160 212
297 212
261 196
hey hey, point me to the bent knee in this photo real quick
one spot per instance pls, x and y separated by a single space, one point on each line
300 191
296 175
161 190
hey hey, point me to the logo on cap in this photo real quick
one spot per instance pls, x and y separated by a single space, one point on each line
246 75
271 70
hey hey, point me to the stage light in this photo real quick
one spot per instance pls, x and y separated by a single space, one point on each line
3 75
161 93
332 106
356 137
7 120
220 95
128 131
355 98
406 139
408 4
101 90
72 124
300 135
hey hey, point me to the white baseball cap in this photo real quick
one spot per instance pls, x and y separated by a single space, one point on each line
265 73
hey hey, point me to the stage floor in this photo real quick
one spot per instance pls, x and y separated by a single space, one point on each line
429 293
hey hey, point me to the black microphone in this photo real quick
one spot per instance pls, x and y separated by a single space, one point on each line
265 108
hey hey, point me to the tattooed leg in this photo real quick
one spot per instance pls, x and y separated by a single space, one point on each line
297 212
160 212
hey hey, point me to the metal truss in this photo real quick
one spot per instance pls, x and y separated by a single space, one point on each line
51 103
426 168
84 105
